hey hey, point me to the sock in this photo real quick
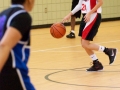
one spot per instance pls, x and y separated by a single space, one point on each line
72 31
101 48
93 57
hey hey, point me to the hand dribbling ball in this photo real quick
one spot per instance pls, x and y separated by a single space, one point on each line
57 30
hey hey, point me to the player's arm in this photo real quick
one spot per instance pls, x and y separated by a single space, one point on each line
76 9
87 16
9 40
99 4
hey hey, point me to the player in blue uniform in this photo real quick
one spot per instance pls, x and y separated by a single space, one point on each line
14 46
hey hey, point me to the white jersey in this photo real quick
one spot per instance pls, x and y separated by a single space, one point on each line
86 6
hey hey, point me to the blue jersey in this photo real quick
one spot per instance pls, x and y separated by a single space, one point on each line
17 17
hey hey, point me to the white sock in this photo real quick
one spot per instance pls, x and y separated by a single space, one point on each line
72 31
101 48
93 57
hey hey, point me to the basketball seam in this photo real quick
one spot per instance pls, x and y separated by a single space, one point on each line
56 30
59 32
52 31
61 27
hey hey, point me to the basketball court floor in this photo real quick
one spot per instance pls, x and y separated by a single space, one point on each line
60 64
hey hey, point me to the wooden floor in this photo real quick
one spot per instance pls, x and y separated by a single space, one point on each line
60 64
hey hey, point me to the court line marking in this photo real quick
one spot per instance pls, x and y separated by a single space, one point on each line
47 77
70 47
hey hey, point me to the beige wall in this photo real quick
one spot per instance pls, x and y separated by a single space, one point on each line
57 9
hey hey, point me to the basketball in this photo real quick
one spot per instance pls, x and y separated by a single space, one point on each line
57 30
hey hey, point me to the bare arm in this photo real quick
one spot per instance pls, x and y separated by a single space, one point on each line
10 39
87 16
100 2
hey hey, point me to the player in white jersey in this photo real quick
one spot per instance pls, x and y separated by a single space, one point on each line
91 11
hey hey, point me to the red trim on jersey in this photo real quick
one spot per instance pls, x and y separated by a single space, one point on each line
92 4
88 28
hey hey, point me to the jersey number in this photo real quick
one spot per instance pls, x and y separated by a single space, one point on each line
83 7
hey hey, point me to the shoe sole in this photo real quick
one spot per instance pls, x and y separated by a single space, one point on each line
95 71
115 56
70 37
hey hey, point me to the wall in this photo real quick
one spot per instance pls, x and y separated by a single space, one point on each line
56 10
50 11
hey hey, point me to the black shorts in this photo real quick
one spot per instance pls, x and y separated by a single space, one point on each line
9 80
74 3
88 30
13 79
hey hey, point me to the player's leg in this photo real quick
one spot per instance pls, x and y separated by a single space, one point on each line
110 52
89 50
72 31
73 22
87 36
73 19
89 47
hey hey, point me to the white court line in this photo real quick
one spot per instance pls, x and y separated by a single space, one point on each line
54 48
69 47
71 52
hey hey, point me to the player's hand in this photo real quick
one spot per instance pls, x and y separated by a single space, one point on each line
66 18
87 17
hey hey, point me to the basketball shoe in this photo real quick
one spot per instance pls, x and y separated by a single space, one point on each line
96 66
111 52
71 35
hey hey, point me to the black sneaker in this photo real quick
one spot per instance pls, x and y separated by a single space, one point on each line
96 66
111 52
71 35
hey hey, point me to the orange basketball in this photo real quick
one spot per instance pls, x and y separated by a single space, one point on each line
57 30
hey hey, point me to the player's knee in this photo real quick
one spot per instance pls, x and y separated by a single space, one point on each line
84 45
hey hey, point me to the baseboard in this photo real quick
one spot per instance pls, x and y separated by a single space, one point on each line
77 23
